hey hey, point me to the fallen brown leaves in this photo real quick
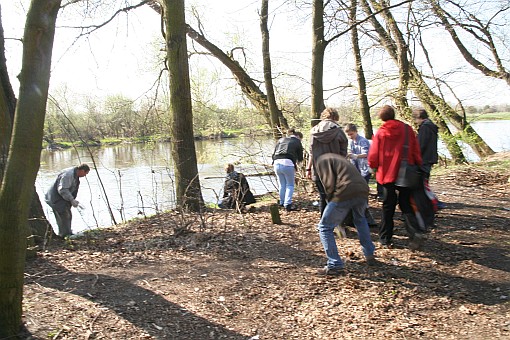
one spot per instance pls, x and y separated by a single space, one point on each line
237 276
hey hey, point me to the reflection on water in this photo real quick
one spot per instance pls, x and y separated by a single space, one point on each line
138 178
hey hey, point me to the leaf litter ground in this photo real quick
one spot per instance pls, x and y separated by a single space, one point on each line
237 276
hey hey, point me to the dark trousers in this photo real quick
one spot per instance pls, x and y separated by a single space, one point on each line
426 168
322 194
64 219
390 200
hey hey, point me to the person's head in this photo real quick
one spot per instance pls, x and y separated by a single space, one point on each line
293 132
229 168
386 112
83 170
420 115
351 130
330 113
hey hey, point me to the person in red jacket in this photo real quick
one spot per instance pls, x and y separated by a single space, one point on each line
384 156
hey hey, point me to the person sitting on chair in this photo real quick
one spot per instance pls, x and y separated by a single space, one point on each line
236 190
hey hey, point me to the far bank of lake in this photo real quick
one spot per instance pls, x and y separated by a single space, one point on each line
138 178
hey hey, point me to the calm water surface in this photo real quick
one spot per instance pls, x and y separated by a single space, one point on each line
138 178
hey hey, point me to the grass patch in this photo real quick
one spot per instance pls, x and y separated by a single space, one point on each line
488 116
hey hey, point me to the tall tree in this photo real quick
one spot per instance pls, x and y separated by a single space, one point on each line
360 73
7 104
268 78
23 160
247 84
319 44
420 87
187 182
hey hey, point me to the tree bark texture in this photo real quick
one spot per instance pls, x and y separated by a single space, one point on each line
23 160
360 74
7 104
319 45
39 226
187 182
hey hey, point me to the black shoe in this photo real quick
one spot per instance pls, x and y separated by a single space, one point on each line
372 262
290 207
331 271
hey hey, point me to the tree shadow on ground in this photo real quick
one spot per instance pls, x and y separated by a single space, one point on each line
131 302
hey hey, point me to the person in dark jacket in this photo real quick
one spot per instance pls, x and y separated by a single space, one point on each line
62 196
287 153
236 190
325 137
385 156
346 190
427 138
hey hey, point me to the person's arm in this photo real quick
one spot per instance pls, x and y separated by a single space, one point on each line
64 186
424 137
364 146
309 165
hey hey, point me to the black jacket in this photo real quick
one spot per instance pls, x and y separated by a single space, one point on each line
290 148
427 138
236 191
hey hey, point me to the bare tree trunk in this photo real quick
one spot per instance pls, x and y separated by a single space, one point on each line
37 221
7 105
23 161
188 192
318 50
268 78
360 74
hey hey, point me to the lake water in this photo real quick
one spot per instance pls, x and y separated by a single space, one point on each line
138 178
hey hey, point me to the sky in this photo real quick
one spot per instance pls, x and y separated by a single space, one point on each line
123 57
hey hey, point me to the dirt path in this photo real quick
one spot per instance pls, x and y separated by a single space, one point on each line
243 278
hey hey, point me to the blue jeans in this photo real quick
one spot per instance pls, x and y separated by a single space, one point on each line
334 214
286 178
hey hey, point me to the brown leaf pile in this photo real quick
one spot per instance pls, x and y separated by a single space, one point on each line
225 275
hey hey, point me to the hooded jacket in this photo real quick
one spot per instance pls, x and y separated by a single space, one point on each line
427 138
327 137
341 180
385 153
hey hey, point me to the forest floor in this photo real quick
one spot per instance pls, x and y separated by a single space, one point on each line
224 275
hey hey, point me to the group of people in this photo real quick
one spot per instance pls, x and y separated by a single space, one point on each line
341 163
